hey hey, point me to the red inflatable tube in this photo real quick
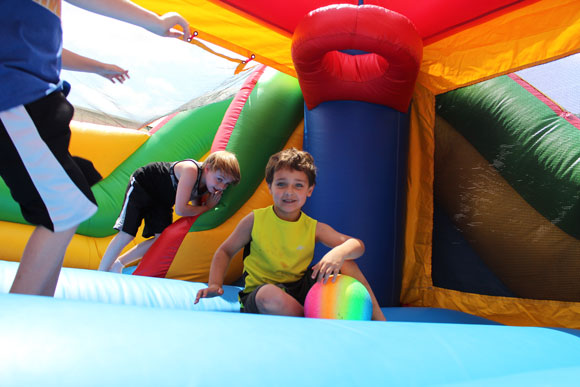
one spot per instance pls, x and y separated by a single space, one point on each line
384 74
158 259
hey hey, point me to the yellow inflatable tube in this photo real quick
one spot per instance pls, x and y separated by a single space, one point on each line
89 140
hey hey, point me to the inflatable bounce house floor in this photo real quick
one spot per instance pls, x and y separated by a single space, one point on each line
110 329
461 181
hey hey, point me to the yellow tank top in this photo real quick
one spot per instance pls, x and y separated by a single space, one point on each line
280 251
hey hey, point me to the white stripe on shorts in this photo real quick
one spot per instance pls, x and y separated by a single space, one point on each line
66 204
121 219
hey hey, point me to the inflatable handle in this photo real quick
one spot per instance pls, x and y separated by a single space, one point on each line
384 73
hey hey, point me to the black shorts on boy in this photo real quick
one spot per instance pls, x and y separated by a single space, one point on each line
150 196
36 165
298 290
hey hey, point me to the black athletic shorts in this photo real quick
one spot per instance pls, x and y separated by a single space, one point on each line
37 167
298 289
140 205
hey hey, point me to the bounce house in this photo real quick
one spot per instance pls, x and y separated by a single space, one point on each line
462 180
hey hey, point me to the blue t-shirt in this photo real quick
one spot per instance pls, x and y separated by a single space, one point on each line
30 50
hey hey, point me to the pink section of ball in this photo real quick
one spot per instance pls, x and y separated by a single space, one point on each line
313 301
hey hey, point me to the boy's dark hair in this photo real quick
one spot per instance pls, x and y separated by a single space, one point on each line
292 159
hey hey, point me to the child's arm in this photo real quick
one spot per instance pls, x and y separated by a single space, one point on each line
343 247
76 62
130 12
186 172
224 254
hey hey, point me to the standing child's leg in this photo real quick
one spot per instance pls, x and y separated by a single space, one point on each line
41 262
48 185
351 268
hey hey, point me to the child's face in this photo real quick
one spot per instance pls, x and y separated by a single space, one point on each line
216 181
290 190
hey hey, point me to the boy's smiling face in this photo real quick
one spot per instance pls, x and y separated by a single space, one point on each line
216 181
289 191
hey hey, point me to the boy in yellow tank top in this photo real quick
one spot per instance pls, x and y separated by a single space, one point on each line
282 238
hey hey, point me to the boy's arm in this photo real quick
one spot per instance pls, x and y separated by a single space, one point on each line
224 254
130 12
187 175
343 247
76 62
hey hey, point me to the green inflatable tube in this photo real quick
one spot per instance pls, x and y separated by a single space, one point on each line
533 148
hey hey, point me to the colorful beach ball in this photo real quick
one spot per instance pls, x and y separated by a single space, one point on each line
344 299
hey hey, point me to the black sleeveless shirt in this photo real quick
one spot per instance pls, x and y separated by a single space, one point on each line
160 182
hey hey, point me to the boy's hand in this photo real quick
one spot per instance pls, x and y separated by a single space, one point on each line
213 199
328 266
210 291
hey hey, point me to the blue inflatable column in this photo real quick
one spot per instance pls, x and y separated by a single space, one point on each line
360 150
357 67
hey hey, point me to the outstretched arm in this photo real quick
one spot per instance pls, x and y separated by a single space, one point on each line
130 12
76 62
343 247
224 254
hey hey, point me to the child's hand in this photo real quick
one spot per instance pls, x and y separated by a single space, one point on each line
113 73
328 266
210 291
213 199
167 22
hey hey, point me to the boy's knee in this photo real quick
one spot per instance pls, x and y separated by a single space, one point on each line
269 298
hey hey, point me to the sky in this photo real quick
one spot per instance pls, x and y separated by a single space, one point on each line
559 81
166 73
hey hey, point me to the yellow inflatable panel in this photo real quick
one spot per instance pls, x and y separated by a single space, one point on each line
234 32
90 141
546 30
419 212
83 252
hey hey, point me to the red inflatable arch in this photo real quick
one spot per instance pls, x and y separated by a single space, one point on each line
384 73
